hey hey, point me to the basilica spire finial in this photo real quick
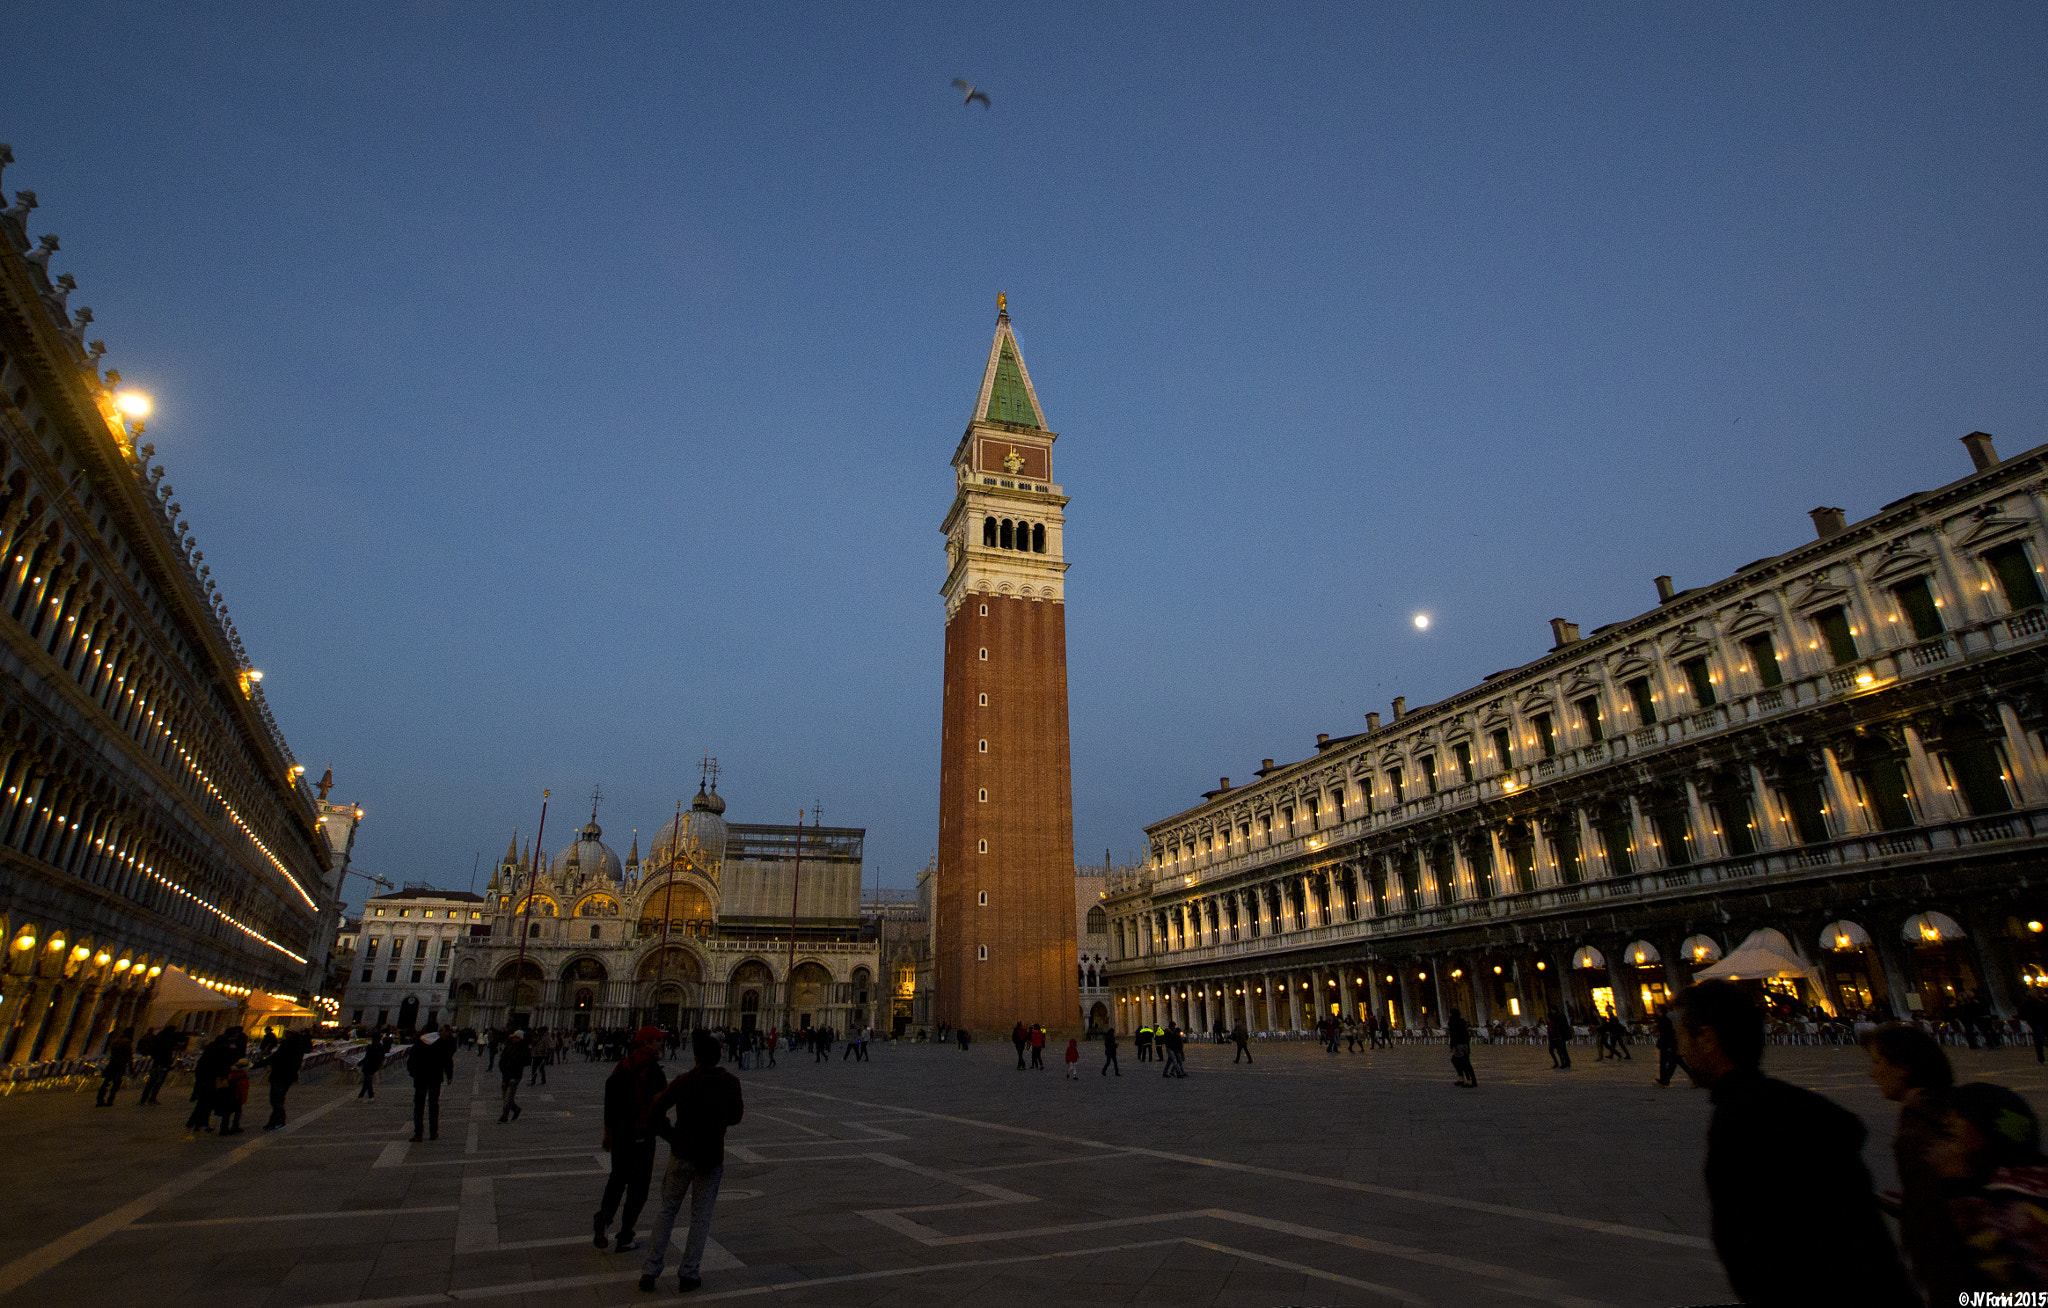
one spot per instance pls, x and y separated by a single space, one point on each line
1002 307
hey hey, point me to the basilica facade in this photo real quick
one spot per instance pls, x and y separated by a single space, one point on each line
722 924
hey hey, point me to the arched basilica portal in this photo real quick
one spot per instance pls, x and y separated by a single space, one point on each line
696 935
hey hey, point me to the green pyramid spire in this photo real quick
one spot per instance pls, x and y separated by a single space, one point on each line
1008 399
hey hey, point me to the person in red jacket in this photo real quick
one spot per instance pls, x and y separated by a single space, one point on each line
706 1100
1038 1046
232 1094
629 1095
1073 1058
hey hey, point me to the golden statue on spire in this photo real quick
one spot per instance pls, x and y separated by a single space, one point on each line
1002 303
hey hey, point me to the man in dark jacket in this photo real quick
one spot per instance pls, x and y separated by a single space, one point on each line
373 1063
1668 1060
119 1054
285 1059
629 1095
162 1048
429 1061
511 1066
706 1100
1769 1139
214 1061
1560 1037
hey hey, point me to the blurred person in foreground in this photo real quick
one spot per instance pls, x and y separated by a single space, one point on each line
1769 1139
1997 1182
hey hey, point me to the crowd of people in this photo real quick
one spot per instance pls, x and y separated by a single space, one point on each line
221 1073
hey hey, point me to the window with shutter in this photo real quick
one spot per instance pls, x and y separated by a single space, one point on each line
2016 576
1916 602
1834 629
1763 660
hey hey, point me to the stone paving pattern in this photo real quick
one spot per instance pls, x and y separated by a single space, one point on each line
929 1176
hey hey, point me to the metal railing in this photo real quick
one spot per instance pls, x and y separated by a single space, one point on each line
1930 840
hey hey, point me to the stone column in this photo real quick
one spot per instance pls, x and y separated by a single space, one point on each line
1766 811
1705 847
1937 801
1404 990
1439 1015
1846 814
1540 855
78 1023
1994 962
1480 982
1461 872
1375 996
1647 855
1884 938
1294 984
1346 1005
1592 854
2023 759
1621 976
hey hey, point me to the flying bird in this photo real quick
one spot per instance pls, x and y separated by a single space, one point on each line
972 94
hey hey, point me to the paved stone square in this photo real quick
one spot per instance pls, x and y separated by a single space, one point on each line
929 1176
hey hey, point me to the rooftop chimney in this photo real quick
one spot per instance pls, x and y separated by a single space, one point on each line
1829 523
1223 783
1265 766
1322 739
1372 722
1400 707
1978 443
1664 591
1563 633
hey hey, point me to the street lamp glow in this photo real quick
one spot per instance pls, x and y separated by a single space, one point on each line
1422 622
133 403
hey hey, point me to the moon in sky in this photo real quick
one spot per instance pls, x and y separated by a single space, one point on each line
1422 622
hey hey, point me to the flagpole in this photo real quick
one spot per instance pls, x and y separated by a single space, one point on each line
526 910
789 970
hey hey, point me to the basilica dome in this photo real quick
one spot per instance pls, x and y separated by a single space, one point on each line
701 832
589 856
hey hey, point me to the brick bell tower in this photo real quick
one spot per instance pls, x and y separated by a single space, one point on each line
1004 930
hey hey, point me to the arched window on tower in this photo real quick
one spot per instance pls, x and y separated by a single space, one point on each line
1038 538
988 532
1007 537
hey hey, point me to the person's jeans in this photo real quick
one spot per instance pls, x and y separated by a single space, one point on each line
426 1106
369 1090
202 1110
511 1099
1668 1062
702 1188
110 1086
278 1090
632 1173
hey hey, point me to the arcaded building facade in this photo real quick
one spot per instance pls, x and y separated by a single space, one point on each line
721 925
1829 765
152 819
1003 919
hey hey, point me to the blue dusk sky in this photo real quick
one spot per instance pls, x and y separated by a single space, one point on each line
562 392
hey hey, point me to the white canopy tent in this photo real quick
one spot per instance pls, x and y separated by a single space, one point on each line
1764 955
177 994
